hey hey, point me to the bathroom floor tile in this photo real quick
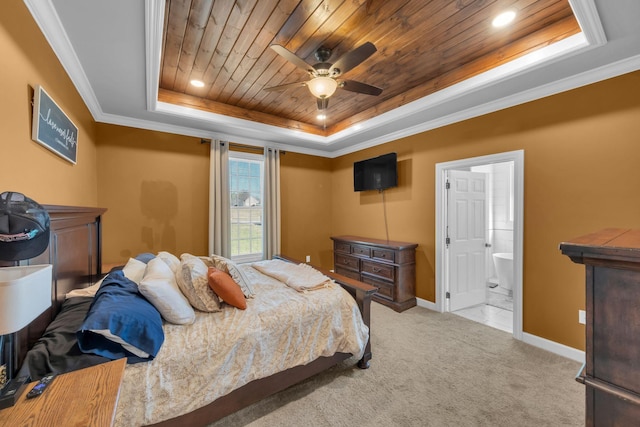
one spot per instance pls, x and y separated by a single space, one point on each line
489 315
499 299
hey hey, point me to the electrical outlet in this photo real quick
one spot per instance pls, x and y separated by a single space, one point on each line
308 258
582 316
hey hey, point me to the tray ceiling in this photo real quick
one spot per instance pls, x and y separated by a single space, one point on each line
422 46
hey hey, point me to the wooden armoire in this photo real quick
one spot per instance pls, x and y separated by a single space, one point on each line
611 373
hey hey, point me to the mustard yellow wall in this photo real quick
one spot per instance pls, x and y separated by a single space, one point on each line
156 188
26 166
582 170
306 187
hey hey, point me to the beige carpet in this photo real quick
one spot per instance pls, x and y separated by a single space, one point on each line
431 369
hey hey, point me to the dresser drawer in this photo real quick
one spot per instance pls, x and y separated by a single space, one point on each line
361 250
349 273
377 269
346 261
385 289
383 254
342 247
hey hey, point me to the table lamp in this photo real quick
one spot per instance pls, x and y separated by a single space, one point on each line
25 293
25 290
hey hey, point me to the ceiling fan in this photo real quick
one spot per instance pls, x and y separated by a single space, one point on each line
324 75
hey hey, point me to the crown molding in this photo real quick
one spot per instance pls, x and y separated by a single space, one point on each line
586 14
46 16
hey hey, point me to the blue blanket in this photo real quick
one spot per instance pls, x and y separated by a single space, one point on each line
121 322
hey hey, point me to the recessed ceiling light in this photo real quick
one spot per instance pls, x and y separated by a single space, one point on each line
505 18
197 83
321 116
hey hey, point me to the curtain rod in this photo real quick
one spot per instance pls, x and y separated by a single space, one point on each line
237 145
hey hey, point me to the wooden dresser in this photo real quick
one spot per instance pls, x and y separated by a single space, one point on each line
612 361
390 266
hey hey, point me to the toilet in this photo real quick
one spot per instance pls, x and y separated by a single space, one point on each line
504 269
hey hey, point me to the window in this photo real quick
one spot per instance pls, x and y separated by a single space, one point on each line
246 195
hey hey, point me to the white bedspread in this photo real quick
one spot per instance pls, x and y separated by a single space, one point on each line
300 277
220 352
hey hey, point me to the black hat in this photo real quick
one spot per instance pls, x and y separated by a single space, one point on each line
24 227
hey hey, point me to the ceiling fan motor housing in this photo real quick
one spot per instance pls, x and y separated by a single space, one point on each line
323 54
323 68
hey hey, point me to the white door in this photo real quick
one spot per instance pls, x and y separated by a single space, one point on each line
466 238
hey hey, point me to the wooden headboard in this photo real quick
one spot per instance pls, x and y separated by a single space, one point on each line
74 250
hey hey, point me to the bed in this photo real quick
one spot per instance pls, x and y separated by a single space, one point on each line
182 393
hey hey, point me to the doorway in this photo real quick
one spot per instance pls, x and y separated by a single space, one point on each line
473 271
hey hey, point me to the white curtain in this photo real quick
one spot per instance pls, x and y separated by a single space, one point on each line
219 221
271 238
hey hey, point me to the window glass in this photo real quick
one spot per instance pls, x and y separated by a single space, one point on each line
246 195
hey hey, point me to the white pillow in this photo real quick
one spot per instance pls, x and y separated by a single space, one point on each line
171 260
134 270
192 280
159 286
89 291
111 337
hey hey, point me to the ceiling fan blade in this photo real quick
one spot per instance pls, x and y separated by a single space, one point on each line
293 58
352 58
359 87
285 86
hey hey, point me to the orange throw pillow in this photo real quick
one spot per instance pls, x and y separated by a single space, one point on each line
223 285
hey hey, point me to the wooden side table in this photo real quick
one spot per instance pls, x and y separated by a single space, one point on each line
86 397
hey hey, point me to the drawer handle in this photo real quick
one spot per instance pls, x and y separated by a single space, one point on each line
345 261
377 270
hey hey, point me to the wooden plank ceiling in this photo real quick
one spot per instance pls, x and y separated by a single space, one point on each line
422 46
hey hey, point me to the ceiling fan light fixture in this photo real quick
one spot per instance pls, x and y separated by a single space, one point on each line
322 87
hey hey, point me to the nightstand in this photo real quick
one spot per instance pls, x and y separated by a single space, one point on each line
86 397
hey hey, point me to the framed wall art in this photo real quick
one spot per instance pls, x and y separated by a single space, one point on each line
52 128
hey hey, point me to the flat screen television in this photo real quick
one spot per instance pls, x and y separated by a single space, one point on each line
378 173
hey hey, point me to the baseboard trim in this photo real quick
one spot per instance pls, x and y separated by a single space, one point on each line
426 304
554 347
534 340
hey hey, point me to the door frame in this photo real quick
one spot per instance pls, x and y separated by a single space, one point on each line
518 225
